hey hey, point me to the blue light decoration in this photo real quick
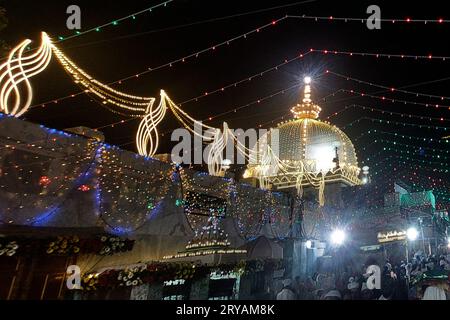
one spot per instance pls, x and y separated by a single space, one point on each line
45 217
120 231
97 193
156 210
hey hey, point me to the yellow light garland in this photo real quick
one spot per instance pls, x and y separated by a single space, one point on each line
18 69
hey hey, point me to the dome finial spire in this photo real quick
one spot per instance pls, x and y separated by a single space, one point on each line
307 90
307 109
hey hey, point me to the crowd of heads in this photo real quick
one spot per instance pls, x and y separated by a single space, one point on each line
397 282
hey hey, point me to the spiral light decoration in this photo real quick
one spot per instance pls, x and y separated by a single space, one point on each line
147 138
16 72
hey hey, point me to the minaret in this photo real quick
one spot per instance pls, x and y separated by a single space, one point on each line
307 109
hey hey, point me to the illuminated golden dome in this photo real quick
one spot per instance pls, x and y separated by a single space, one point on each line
318 144
305 151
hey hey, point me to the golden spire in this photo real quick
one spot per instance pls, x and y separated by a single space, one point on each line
307 109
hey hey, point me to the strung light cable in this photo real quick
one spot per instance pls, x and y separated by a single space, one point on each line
384 98
17 71
130 105
189 122
381 55
383 111
392 89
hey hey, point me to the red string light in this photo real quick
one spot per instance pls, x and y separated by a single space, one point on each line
391 113
383 98
377 55
417 94
353 19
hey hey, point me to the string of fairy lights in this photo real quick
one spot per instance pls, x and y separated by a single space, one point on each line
373 132
115 22
249 78
396 123
391 169
381 55
405 20
391 89
386 112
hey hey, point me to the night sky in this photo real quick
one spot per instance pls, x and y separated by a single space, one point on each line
155 38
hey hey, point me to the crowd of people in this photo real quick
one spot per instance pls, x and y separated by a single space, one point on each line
400 281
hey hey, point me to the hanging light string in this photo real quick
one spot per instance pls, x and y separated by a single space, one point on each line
384 91
381 55
248 78
111 23
363 20
407 160
258 101
382 111
115 22
397 152
227 42
287 114
383 175
211 48
390 122
211 118
384 98
422 140
439 165
136 105
437 152
194 23
190 56
403 136
391 89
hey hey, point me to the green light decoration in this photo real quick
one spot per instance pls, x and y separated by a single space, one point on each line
397 123
408 152
406 163
442 165
116 21
442 196
395 142
398 135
